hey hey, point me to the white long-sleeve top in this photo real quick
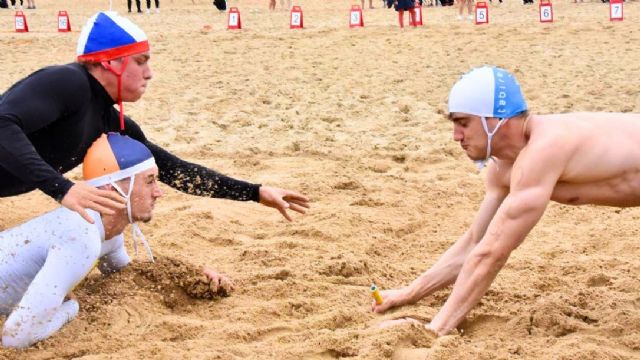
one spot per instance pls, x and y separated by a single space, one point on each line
41 261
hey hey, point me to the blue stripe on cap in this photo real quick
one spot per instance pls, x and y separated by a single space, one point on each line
106 34
507 99
128 152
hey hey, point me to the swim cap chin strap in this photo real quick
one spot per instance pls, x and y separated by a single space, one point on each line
482 163
118 75
135 229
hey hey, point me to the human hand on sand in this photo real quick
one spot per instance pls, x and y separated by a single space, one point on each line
282 200
390 299
219 283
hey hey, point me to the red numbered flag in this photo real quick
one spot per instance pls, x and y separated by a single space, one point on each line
482 13
546 11
418 10
64 25
233 20
616 12
297 21
355 17
21 22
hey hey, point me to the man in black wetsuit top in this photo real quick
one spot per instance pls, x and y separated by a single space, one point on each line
71 105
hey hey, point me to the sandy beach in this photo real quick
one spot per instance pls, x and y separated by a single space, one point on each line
356 120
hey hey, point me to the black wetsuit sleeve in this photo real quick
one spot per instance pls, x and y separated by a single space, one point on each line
30 105
192 178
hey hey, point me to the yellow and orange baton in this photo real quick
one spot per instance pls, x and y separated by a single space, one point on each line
376 294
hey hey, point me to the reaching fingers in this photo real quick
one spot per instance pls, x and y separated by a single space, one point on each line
214 284
218 283
99 208
227 285
114 196
297 208
294 196
297 202
109 199
84 214
284 213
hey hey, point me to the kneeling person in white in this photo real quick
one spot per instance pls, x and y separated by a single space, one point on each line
42 260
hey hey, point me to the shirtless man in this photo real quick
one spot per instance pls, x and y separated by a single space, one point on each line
42 260
534 159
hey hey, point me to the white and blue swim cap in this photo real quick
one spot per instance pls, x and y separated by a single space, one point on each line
487 91
108 36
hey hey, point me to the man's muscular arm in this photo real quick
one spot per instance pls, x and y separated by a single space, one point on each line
533 179
445 271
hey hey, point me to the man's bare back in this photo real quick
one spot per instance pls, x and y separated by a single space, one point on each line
604 165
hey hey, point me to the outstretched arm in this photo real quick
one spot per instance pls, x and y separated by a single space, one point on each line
198 180
533 179
445 271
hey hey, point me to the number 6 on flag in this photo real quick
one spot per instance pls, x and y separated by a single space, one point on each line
64 25
546 11
21 22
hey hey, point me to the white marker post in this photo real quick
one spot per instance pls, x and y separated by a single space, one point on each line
482 13
64 25
616 12
355 17
297 21
233 20
546 11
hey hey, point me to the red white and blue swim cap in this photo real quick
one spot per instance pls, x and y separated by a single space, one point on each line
487 91
108 36
115 157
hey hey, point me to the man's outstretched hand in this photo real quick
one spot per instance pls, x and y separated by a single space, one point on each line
82 196
390 299
282 199
220 283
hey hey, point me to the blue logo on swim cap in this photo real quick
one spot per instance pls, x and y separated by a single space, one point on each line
507 98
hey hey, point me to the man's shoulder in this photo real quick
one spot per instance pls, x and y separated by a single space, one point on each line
53 79
70 222
73 73
60 227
